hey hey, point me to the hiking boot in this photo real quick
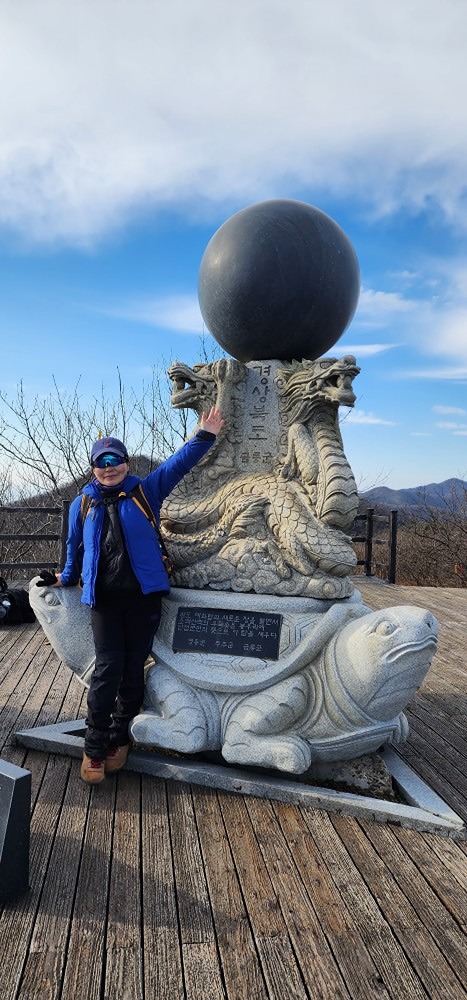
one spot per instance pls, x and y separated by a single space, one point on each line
116 758
92 770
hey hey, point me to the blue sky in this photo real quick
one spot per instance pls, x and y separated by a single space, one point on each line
131 130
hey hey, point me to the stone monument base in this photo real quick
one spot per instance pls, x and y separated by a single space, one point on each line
281 683
278 682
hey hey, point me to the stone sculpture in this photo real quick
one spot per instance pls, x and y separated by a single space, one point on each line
267 509
261 525
337 690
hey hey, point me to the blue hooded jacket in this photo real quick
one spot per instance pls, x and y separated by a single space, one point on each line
140 538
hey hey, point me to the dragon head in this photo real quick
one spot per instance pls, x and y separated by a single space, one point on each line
194 388
306 384
204 385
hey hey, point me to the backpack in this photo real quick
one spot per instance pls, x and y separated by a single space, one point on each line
138 496
15 608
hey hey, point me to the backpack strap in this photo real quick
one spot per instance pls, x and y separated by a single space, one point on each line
138 496
86 504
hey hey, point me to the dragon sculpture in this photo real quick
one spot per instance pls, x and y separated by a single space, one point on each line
267 509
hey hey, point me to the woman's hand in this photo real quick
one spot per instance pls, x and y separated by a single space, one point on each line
212 421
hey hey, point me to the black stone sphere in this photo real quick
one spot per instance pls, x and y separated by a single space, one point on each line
279 279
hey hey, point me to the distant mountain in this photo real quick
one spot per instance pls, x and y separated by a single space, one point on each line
450 494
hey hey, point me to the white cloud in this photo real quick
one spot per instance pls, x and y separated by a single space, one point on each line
361 350
440 325
453 410
457 374
376 308
360 417
175 312
406 276
113 107
446 425
450 335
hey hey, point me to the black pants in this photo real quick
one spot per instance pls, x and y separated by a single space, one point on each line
123 628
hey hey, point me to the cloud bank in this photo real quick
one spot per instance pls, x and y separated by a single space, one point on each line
113 108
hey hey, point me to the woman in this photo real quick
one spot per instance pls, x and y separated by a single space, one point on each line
123 577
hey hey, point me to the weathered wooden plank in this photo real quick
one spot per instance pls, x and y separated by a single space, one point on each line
17 920
45 962
433 716
240 961
61 682
26 701
442 864
162 947
280 967
68 702
353 958
67 699
446 709
201 970
19 706
317 965
33 760
394 967
429 765
32 697
123 971
441 678
449 601
16 668
22 669
444 673
453 757
74 702
13 638
437 685
86 955
416 888
451 855
400 911
38 697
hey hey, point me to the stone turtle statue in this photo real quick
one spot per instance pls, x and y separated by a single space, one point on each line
338 690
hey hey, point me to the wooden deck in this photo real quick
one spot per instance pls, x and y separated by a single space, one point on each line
144 889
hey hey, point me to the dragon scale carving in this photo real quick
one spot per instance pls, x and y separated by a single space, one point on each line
266 510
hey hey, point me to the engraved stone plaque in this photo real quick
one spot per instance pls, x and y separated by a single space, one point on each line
234 633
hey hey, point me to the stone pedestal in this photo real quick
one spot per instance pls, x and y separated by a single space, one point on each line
336 690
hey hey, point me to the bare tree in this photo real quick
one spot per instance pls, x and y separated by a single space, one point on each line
432 542
46 439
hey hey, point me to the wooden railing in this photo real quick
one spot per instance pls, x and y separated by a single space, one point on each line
369 540
60 536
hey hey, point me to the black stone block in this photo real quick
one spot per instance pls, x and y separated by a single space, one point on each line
15 808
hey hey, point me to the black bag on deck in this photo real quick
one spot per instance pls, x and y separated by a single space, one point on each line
14 605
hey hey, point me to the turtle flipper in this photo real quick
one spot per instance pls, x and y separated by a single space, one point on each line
173 717
258 730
